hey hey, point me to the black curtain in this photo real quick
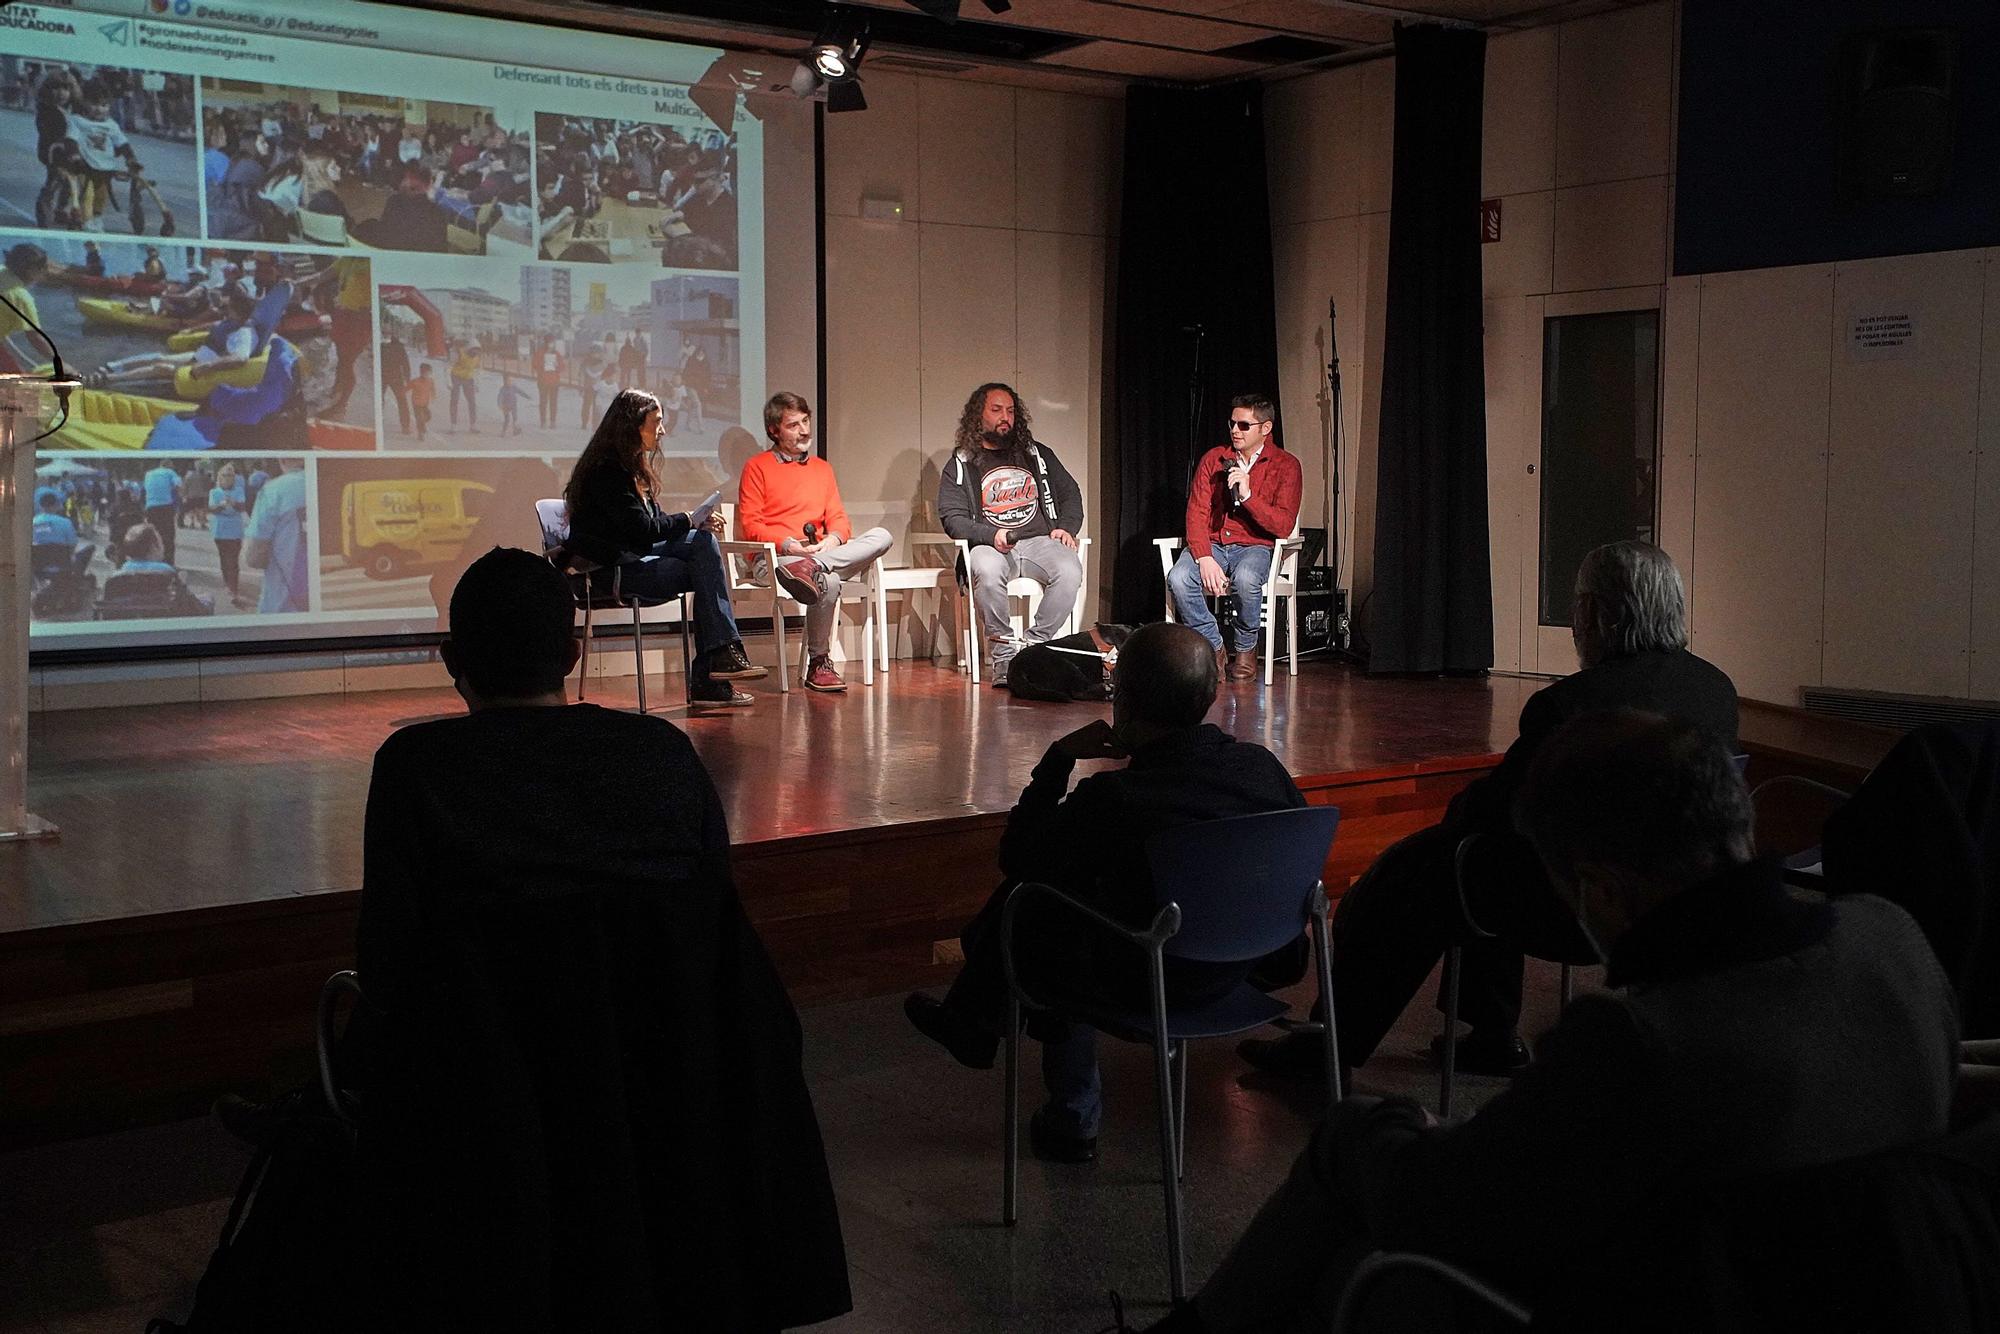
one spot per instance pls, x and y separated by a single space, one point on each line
1194 250
1432 608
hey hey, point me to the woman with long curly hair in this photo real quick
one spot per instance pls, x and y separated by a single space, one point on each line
615 519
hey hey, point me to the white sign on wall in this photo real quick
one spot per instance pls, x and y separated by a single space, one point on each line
1880 335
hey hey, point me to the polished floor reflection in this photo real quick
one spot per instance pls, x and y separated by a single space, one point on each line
187 806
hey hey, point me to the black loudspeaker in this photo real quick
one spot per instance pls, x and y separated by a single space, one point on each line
1898 107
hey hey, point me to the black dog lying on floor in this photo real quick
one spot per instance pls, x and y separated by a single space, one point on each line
1045 671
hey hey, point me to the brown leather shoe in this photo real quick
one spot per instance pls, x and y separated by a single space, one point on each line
820 676
1244 667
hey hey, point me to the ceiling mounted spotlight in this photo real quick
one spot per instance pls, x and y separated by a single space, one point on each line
830 69
843 39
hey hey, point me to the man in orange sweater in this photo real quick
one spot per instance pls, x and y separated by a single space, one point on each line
788 497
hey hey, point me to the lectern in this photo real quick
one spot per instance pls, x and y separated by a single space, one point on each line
26 401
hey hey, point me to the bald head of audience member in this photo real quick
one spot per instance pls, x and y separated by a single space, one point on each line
1164 682
1629 810
512 641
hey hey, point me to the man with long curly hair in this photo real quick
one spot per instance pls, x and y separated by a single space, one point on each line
1007 494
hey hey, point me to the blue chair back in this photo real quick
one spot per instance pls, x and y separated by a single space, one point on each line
1241 883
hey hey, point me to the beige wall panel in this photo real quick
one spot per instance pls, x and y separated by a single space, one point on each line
1611 235
1309 146
1066 161
1519 263
1313 261
1061 284
1614 87
875 153
1375 117
1899 507
1362 379
872 421
1760 476
1513 441
111 685
1680 361
966 331
1520 113
1986 503
965 152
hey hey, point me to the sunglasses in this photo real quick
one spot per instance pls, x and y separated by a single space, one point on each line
1236 425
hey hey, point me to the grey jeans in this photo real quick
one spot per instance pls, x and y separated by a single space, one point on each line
850 558
1049 563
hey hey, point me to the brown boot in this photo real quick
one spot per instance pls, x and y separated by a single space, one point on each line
1244 667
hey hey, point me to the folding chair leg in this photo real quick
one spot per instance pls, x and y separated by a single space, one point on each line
1445 1080
583 671
639 653
970 619
1169 1138
1330 1037
1010 1185
687 649
778 632
1180 1059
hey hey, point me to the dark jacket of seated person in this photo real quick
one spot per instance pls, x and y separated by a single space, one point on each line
584 1106
609 520
1090 843
1749 1029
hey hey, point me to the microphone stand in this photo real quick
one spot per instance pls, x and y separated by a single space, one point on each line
1194 408
1333 490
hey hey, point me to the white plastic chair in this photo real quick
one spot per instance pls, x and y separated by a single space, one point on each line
1281 587
907 579
863 590
1021 587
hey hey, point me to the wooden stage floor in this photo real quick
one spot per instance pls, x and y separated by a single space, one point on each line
171 944
176 807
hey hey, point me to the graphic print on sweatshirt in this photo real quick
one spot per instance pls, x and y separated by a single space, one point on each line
1007 496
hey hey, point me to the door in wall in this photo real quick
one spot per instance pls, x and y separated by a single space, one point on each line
1598 474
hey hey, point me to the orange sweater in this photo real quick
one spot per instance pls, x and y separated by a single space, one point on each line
777 500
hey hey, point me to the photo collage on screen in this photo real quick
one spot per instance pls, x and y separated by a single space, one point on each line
334 344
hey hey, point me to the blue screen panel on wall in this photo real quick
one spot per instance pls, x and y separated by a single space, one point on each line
1838 129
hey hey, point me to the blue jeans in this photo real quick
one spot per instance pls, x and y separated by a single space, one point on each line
1248 567
691 563
1076 1092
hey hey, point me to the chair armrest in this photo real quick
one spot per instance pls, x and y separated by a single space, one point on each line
1460 855
1165 923
348 981
1799 780
749 549
1380 1264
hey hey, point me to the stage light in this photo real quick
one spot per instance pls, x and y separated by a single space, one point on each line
830 69
835 54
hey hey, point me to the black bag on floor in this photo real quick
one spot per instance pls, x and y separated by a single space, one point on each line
1059 671
287 1256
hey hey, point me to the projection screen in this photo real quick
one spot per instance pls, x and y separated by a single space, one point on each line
349 284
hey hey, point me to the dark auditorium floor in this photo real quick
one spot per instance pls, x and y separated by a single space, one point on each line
100 1235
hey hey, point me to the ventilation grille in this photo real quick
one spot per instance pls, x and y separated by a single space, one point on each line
1901 712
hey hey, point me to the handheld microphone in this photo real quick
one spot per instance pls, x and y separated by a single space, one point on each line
812 534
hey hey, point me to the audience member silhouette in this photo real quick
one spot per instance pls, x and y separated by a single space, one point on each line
1091 845
1749 1030
583 1105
